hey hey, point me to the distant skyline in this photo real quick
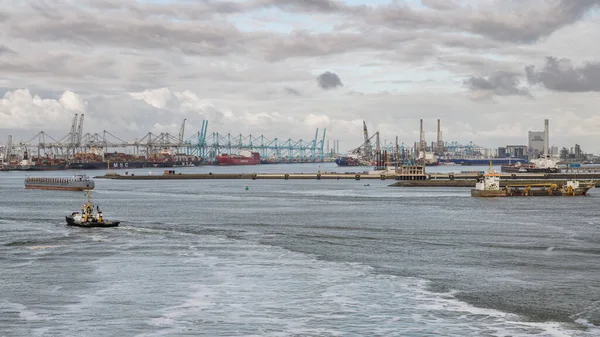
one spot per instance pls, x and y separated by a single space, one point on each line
491 70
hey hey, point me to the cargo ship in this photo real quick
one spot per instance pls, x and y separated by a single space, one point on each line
528 168
78 182
489 186
544 164
480 161
92 161
36 165
350 161
251 158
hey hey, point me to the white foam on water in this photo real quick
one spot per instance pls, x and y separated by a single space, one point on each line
498 323
210 285
86 301
280 293
24 313
591 327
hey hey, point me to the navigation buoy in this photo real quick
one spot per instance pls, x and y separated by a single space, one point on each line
247 188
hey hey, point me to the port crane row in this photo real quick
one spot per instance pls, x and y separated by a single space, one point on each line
201 144
209 145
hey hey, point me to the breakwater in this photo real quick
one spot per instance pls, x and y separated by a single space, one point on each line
431 180
253 176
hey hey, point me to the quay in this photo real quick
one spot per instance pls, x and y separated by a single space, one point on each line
417 180
169 174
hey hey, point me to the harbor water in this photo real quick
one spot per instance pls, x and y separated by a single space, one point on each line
295 258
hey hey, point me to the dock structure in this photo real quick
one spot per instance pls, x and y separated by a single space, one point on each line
409 177
172 175
411 172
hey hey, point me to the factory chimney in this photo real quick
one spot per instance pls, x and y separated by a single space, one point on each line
546 140
440 142
422 142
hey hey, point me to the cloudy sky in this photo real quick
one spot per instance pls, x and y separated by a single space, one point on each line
489 69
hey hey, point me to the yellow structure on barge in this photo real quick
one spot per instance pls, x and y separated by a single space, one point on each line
489 186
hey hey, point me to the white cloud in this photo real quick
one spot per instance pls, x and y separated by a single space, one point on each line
21 109
158 98
317 121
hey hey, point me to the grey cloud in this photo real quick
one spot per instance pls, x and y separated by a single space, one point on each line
500 21
4 16
526 24
59 64
119 30
189 29
323 6
500 84
476 64
127 111
329 80
440 4
176 10
292 91
301 44
6 50
45 10
561 75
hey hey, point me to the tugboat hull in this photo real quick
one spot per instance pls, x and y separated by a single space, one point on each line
90 224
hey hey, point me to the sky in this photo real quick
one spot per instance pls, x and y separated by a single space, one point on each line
491 70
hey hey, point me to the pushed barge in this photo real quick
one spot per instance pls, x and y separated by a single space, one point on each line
79 182
489 186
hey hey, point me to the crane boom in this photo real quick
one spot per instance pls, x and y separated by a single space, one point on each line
79 130
181 131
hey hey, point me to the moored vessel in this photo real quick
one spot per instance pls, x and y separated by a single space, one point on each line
348 161
528 168
489 186
479 161
96 159
79 182
252 158
87 217
541 165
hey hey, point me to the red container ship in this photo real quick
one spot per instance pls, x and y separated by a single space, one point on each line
239 159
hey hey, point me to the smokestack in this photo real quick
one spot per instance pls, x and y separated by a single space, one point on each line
422 142
439 135
546 140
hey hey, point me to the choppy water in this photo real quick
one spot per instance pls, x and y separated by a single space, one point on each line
296 258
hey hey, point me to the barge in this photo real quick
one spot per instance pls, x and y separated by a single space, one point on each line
79 182
489 186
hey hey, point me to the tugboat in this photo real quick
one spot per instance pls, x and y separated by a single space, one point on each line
87 217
